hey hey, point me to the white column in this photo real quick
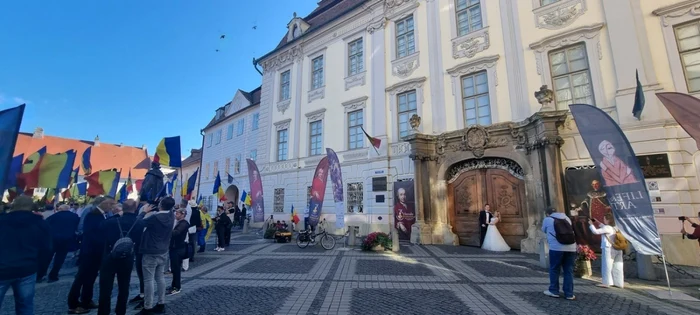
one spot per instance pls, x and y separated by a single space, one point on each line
437 76
515 62
298 69
378 94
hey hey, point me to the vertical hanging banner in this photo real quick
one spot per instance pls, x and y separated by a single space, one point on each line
337 180
318 190
256 192
622 177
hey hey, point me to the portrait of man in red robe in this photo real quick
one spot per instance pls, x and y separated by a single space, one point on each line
404 214
256 186
615 172
319 184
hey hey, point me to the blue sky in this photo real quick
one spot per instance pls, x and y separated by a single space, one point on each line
133 71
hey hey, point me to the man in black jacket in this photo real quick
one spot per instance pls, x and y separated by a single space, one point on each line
64 225
177 250
195 221
26 237
80 295
114 228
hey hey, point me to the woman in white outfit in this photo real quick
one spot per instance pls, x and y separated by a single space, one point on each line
611 262
493 240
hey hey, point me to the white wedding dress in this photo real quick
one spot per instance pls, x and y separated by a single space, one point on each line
493 240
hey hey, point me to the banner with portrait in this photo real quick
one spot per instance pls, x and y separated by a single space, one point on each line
337 181
585 195
621 177
404 208
318 191
257 203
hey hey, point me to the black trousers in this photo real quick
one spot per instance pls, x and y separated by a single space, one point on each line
139 271
122 270
228 235
221 237
81 291
483 234
176 257
192 246
58 255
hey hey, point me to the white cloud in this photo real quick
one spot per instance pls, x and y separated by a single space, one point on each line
20 100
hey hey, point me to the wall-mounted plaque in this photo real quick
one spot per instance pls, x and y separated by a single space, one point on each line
379 183
655 165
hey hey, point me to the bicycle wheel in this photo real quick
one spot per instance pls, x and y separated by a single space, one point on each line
327 241
302 243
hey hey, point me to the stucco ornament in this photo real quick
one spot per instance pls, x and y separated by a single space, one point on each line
415 122
545 96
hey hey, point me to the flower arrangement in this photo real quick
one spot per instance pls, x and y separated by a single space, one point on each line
585 253
376 238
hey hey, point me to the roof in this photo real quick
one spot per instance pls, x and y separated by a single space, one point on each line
253 97
103 156
326 12
194 158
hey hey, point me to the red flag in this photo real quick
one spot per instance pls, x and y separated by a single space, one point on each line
686 110
376 142
139 183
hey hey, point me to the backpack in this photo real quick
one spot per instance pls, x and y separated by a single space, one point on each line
124 246
564 232
620 242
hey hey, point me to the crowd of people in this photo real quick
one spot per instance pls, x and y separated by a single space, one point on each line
109 240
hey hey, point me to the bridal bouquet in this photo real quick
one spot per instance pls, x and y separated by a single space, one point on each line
585 253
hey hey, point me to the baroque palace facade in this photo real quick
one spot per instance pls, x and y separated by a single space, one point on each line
474 72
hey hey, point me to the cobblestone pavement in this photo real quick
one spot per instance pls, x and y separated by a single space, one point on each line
255 276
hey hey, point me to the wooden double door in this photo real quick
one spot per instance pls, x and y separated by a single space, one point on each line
472 190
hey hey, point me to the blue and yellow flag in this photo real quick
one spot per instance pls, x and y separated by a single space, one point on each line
10 120
245 198
74 176
87 167
189 185
168 152
218 189
121 194
129 185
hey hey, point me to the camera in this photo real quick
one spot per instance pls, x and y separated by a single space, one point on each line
682 218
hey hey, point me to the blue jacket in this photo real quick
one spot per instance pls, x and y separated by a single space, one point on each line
548 229
63 225
110 228
24 237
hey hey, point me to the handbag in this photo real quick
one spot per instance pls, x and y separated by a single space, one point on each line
620 241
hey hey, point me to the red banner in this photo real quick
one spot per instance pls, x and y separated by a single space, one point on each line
256 192
318 191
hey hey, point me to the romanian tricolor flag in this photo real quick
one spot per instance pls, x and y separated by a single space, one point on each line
295 216
74 176
376 142
245 198
129 185
14 170
32 160
79 189
168 152
200 202
51 171
218 189
87 167
121 194
189 185
102 182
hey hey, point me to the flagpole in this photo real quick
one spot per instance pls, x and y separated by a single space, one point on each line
668 282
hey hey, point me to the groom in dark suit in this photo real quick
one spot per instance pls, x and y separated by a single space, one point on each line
484 219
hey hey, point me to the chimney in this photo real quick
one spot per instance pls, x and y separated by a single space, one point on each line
143 147
97 141
38 133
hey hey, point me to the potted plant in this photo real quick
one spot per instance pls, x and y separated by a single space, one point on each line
376 241
582 267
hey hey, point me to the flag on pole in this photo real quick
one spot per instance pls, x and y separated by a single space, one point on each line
189 185
121 194
686 110
638 99
168 152
101 182
245 198
295 216
10 120
218 189
230 178
376 142
51 171
129 184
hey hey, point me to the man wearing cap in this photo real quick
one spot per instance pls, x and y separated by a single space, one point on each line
19 258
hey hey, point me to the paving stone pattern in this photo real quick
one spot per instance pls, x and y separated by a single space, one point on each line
255 276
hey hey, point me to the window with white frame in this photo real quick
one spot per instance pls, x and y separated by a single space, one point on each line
256 121
405 38
229 132
316 137
355 57
282 139
317 72
475 99
210 138
284 85
468 16
546 2
407 108
356 139
355 197
218 136
241 127
688 41
237 164
278 204
254 154
571 77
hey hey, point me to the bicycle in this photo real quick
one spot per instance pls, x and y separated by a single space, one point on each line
306 237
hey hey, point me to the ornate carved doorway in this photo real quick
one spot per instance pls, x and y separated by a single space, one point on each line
473 184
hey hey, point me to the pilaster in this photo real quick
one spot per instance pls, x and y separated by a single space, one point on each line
437 78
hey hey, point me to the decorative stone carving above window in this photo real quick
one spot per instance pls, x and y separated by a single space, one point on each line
404 67
376 25
471 44
394 8
589 34
316 115
412 84
283 106
355 104
559 14
355 80
283 124
672 13
283 59
319 93
474 66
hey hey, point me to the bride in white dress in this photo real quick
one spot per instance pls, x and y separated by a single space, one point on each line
493 240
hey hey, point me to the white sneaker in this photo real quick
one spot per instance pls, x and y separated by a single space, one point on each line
550 294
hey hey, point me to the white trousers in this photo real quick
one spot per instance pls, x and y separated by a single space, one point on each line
611 265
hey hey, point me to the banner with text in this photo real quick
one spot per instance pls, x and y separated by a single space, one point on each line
622 177
256 192
337 180
318 190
